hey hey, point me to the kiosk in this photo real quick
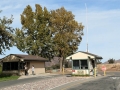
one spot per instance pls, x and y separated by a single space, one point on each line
84 63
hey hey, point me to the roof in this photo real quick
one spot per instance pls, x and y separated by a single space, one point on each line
30 57
96 56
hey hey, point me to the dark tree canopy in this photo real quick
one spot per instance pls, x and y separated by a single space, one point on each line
111 61
6 34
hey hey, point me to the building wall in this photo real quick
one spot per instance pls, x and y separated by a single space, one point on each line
13 71
79 55
38 66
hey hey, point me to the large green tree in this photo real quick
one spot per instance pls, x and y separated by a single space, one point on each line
34 36
6 34
67 33
44 32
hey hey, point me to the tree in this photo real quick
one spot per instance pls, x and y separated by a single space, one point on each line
67 33
111 61
48 34
6 34
34 36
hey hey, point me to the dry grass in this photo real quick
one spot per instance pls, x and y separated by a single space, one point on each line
110 67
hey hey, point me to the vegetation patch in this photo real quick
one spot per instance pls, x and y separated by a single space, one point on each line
78 75
7 77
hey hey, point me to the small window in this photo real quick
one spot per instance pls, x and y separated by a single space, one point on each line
14 65
76 64
84 64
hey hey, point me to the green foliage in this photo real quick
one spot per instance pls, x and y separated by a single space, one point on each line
78 75
68 64
111 61
6 34
34 37
48 34
67 33
6 77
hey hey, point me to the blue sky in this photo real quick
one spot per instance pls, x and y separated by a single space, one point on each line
103 22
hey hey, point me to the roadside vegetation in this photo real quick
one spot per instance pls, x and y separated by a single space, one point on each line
78 75
111 61
7 77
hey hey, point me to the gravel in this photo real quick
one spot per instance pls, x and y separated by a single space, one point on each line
46 84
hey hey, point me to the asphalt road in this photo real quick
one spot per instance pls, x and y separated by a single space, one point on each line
26 80
111 82
99 84
108 83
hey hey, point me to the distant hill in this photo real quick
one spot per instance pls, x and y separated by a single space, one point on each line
117 61
54 61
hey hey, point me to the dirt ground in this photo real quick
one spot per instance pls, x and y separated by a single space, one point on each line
109 67
57 71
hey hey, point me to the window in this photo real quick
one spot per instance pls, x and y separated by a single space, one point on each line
14 65
76 64
22 64
10 66
84 64
80 64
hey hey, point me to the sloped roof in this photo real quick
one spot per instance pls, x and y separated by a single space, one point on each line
96 56
29 57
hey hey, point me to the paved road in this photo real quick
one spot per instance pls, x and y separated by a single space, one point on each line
34 79
108 83
111 82
26 80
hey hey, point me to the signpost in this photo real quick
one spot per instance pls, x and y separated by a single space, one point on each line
104 69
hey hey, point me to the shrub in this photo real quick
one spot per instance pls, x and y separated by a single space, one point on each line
111 61
86 75
57 66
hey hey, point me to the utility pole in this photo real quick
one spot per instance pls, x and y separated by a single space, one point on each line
86 26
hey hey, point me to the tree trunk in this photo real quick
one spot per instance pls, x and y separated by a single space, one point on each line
61 64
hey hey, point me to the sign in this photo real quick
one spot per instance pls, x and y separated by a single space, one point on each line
103 68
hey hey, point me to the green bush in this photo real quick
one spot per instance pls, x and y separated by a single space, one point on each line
111 61
86 75
5 75
57 66
48 68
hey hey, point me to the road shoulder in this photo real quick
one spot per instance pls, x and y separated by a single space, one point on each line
75 83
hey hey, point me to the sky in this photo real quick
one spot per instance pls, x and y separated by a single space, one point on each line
103 22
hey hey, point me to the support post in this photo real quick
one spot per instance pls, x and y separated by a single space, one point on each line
19 67
104 73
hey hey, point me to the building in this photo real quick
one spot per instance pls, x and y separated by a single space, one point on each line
84 63
14 63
